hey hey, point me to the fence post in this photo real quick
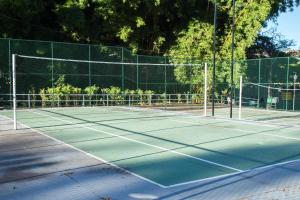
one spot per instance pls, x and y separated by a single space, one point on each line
205 89
107 101
166 75
52 71
259 81
90 78
28 97
122 75
83 100
129 100
287 83
10 73
241 97
137 72
14 90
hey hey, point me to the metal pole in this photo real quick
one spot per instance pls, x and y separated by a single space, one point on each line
14 90
52 72
259 80
294 97
205 90
214 62
123 80
52 67
165 75
137 72
287 83
232 57
10 72
241 97
28 98
90 73
190 70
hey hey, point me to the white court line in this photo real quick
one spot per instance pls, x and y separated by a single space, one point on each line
188 114
234 174
153 182
194 123
91 155
144 143
246 131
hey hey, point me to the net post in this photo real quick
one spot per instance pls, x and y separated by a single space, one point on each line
14 90
205 89
241 96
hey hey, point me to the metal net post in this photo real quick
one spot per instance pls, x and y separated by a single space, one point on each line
14 90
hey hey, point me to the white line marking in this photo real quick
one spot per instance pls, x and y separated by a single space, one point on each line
91 155
185 122
268 134
144 143
153 182
235 173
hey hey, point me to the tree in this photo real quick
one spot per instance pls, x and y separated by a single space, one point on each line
269 44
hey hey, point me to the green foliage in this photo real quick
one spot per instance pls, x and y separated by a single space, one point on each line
149 94
124 33
60 93
135 23
115 95
91 90
140 22
183 29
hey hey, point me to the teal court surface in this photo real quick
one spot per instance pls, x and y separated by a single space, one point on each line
171 148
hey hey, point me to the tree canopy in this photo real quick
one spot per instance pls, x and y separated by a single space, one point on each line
145 26
182 29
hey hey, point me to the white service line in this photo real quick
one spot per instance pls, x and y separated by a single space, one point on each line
153 182
246 131
144 143
91 155
194 123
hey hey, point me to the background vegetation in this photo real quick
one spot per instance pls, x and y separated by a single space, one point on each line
182 29
145 26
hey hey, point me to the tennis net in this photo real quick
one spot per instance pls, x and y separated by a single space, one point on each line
271 102
56 82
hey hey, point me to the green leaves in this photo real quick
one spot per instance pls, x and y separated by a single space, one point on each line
124 33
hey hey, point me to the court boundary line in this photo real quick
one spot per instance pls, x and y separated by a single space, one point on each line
236 173
191 115
90 155
153 182
245 131
253 122
144 143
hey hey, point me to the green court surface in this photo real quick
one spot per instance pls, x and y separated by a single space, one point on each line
170 148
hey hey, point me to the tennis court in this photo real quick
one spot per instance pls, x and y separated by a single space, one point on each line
171 148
